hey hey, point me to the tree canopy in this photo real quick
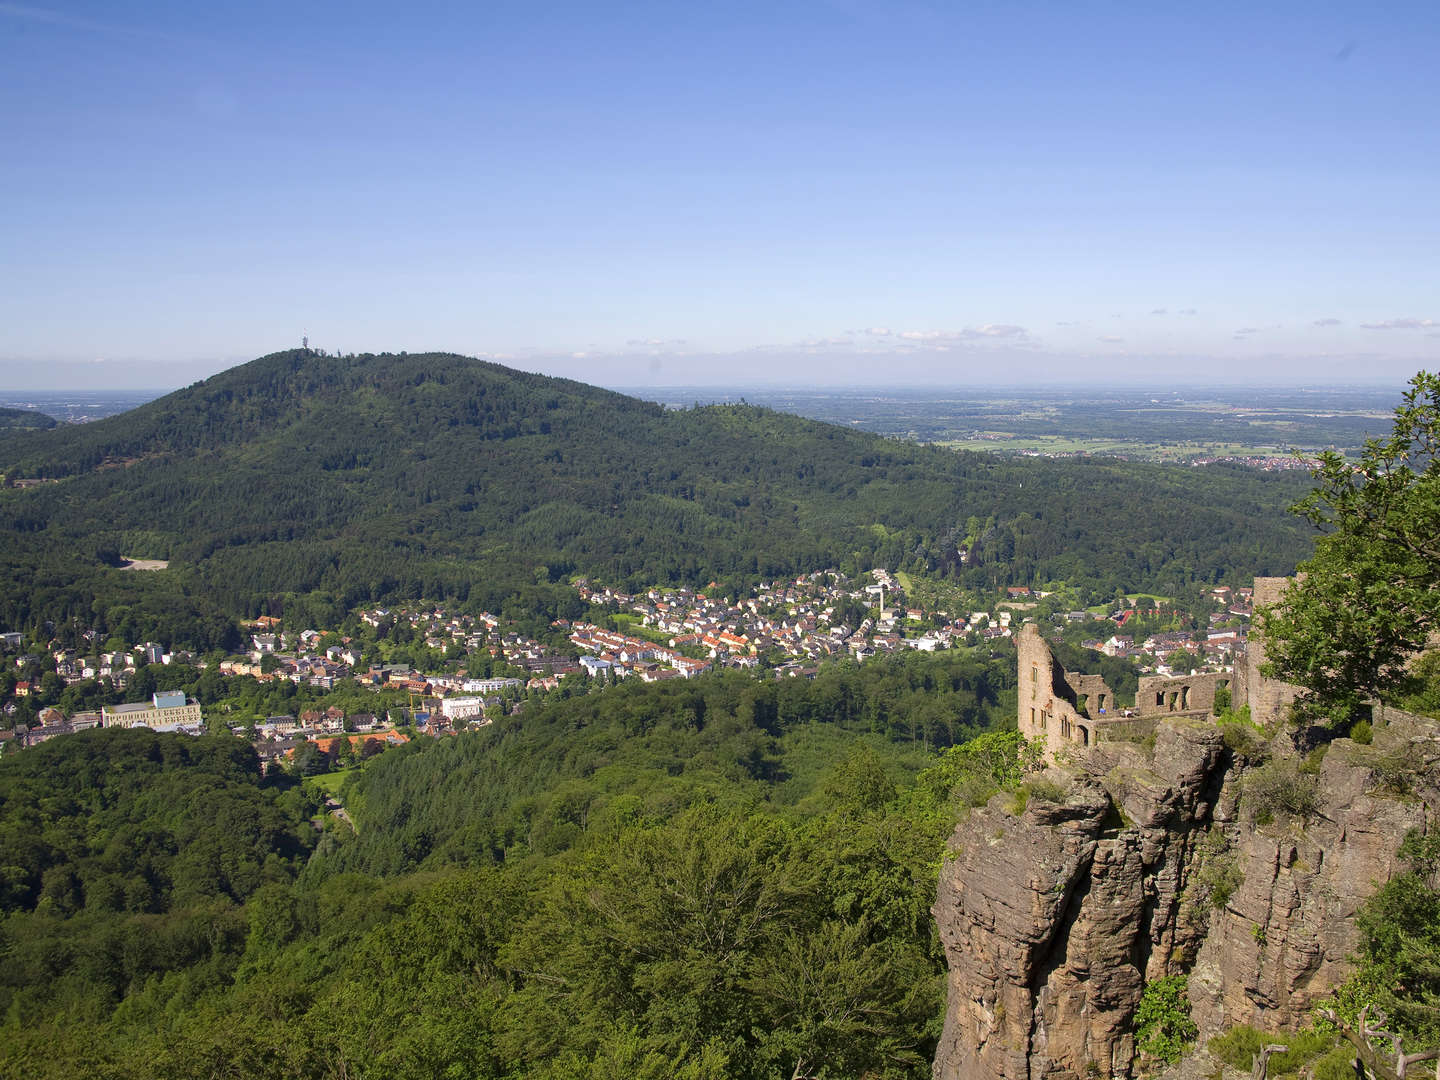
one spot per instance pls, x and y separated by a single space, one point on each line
714 878
1368 600
303 486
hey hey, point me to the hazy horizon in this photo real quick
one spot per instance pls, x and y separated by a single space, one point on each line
821 191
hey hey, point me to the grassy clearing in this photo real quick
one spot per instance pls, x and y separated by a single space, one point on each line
329 784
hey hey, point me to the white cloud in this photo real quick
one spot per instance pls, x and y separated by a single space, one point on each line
1159 311
877 331
1188 311
970 333
1326 322
1247 330
1110 340
1400 324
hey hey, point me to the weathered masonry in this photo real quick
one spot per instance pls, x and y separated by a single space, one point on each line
1068 709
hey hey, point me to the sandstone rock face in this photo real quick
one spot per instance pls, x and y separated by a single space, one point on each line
1053 919
1284 939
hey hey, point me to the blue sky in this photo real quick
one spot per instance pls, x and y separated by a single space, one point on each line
682 193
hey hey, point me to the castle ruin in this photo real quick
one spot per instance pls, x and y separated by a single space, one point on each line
1068 709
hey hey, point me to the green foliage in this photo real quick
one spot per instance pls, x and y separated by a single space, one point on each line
1313 1052
1362 732
1244 738
128 857
684 927
1370 597
860 783
167 820
1395 769
1045 790
25 419
1222 700
969 774
1280 787
1238 1047
1421 692
1218 874
1163 1028
1303 1048
305 485
1400 947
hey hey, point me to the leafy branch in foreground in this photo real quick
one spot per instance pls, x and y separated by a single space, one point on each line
1369 598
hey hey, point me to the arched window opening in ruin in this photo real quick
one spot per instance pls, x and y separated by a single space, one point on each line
1084 737
1159 699
1184 698
1102 703
1083 705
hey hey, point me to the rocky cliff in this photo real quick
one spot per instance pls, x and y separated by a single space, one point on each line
1182 854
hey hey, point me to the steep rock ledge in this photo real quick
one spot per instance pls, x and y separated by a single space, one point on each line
1285 937
1054 919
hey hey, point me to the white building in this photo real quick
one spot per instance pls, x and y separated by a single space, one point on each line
164 709
462 708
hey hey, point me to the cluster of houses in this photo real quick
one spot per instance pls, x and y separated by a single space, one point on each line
1224 640
786 627
75 666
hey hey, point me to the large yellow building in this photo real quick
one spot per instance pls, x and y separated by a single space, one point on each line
162 710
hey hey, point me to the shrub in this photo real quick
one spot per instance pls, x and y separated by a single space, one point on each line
1362 732
1219 878
1238 1046
1163 1028
1394 771
1314 760
1045 790
1303 1048
1244 738
1281 788
1338 1064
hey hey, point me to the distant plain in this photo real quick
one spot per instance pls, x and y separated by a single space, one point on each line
1160 423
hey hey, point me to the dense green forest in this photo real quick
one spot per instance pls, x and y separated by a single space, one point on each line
329 482
725 878
25 419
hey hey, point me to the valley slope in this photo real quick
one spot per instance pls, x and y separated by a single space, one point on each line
327 482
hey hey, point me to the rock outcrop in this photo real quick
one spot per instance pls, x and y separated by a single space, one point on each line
1132 862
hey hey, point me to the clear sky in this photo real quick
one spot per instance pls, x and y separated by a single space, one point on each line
686 192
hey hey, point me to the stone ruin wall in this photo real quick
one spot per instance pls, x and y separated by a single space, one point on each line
1269 699
1068 709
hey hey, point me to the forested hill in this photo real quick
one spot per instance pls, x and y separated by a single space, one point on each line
364 478
25 419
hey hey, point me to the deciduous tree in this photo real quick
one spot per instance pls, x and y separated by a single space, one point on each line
1369 598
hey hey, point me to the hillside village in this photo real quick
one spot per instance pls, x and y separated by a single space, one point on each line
482 665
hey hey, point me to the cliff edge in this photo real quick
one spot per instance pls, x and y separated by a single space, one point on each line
1239 863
